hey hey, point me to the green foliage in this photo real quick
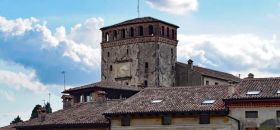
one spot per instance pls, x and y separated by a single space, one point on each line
48 107
34 113
16 120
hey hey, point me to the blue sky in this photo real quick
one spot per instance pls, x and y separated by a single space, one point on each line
39 39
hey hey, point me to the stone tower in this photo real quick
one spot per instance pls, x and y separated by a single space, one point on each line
140 52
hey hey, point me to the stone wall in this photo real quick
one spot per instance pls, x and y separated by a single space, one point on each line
214 81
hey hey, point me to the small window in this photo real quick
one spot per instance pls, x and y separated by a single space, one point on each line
162 31
207 82
125 120
253 92
166 120
156 101
123 33
278 92
278 114
172 52
167 32
141 33
131 32
251 114
208 102
146 65
251 128
107 37
216 83
115 34
111 68
127 51
204 119
151 30
145 83
173 34
81 98
126 83
108 54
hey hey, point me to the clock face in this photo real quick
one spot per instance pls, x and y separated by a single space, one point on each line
123 69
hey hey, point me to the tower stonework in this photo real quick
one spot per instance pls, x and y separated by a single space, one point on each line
140 52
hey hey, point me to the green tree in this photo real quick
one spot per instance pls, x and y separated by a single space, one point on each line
48 107
34 113
16 120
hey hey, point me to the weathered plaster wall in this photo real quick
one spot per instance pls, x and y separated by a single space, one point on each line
178 123
212 81
266 117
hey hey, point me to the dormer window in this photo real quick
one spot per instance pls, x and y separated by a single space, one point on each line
156 101
253 93
208 101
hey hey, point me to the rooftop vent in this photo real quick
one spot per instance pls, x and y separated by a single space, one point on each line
208 101
253 92
156 101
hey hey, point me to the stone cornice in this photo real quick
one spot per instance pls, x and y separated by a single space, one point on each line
137 40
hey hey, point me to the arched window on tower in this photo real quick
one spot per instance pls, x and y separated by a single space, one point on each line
131 32
106 36
162 31
173 34
141 32
167 32
151 30
123 33
115 35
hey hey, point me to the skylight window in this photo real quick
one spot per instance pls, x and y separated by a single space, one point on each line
156 101
278 92
253 92
208 101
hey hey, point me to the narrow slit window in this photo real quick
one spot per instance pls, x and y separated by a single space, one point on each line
168 32
107 37
123 33
108 54
162 30
141 33
145 83
111 68
115 35
131 32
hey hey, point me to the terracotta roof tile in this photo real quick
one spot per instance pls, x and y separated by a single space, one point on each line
268 88
174 99
139 20
213 73
103 84
82 113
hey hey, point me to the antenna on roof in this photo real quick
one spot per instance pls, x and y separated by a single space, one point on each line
138 8
63 72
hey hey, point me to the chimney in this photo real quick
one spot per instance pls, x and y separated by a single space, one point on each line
42 112
100 96
67 101
250 76
231 90
190 63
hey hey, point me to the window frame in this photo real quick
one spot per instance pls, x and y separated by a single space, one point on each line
247 114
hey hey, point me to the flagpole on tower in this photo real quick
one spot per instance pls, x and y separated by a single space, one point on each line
138 8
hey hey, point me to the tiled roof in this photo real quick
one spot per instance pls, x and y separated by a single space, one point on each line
103 84
268 88
9 127
89 113
139 20
174 99
213 73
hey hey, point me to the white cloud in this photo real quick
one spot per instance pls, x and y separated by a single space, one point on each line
177 7
10 96
21 80
239 53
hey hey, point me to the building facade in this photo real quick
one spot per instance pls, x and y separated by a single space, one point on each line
140 52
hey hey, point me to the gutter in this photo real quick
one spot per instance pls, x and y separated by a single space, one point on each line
110 121
238 122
